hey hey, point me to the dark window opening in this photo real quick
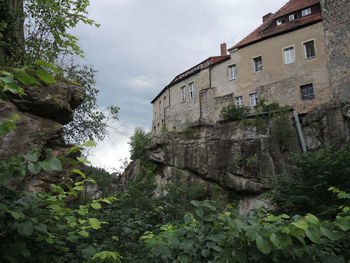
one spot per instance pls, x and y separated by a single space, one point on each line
307 92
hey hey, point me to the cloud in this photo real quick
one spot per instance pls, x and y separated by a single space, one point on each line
142 45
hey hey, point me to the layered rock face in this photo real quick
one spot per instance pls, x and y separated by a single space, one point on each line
240 157
42 114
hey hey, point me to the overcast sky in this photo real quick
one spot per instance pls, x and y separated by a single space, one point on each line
142 45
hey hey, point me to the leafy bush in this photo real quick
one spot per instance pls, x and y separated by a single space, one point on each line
210 236
44 227
137 142
231 112
305 189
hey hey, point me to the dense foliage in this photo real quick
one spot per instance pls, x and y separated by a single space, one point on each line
305 189
210 236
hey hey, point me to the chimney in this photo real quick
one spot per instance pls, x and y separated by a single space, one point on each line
223 49
267 16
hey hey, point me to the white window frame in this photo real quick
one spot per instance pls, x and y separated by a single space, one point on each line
254 65
289 57
280 21
239 101
304 48
291 17
183 94
306 12
232 72
253 99
191 89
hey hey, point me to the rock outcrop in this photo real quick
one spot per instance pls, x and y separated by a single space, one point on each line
240 157
42 114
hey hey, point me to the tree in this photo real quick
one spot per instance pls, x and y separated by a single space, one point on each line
45 25
11 30
89 123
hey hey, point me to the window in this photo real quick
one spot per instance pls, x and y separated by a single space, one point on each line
191 90
289 55
309 49
280 21
291 17
239 101
232 72
306 12
307 92
183 94
258 66
253 98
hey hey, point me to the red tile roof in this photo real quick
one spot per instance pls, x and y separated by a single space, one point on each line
267 29
211 61
294 5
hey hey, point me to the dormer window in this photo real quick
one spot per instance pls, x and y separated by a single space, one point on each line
306 12
291 17
280 21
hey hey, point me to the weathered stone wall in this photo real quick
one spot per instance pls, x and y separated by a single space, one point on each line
336 23
290 88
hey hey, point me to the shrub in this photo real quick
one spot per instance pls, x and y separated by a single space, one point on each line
231 112
305 188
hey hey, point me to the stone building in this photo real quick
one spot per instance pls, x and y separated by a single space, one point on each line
179 103
284 60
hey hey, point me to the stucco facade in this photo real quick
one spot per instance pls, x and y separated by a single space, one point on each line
278 81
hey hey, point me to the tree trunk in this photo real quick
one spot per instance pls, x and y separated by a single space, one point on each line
11 31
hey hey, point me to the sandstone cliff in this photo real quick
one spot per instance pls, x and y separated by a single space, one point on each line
238 156
42 114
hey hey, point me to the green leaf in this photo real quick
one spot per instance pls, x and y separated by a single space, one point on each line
263 245
15 117
17 214
96 205
280 240
331 234
313 234
77 171
51 164
41 228
26 79
49 240
83 160
79 188
82 211
45 76
188 218
89 144
343 223
34 168
23 249
4 176
8 79
95 223
301 224
46 64
311 219
84 233
25 228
